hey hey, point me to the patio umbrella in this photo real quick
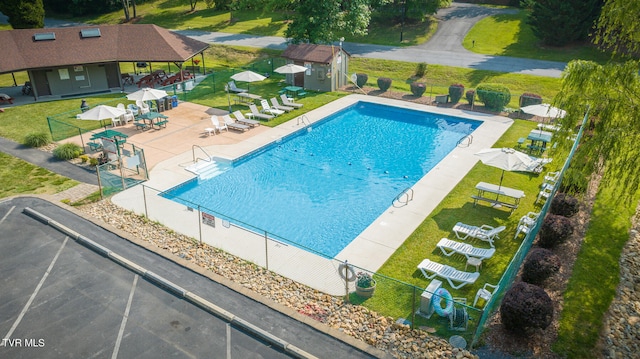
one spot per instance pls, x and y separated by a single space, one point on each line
544 110
248 76
290 69
507 159
101 112
147 94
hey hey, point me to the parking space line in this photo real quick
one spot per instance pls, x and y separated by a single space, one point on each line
7 215
124 318
35 292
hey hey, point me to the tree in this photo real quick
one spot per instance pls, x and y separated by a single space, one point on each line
317 21
24 14
611 93
193 3
561 22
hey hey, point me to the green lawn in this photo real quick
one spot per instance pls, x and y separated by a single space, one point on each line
509 35
20 177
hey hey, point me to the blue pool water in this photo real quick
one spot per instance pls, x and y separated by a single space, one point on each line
319 188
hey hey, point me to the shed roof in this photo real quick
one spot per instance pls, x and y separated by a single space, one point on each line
311 53
119 43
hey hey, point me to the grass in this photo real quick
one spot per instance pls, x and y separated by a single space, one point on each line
20 177
509 35
595 275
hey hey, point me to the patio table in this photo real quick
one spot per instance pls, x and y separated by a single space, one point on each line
247 98
514 194
294 90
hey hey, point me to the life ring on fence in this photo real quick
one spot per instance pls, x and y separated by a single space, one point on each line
439 294
349 274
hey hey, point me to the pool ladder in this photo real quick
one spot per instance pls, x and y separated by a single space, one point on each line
403 198
304 120
465 141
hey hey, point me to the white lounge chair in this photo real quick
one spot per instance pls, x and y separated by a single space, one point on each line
217 126
289 102
255 113
233 88
277 105
230 123
526 223
484 233
432 269
449 248
245 121
268 109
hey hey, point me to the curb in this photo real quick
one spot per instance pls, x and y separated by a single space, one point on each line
173 288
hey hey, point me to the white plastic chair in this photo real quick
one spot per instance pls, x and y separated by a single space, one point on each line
545 193
216 124
526 223
485 293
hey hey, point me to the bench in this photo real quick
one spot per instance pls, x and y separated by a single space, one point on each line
140 125
94 146
494 202
301 93
162 123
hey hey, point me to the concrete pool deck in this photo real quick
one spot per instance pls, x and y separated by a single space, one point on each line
369 250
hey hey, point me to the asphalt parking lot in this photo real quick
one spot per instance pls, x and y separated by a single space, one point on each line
61 299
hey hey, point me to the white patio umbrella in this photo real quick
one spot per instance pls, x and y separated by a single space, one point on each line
147 94
101 112
247 76
290 69
544 110
507 159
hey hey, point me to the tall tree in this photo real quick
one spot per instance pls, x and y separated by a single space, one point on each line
317 21
611 92
561 22
620 29
24 14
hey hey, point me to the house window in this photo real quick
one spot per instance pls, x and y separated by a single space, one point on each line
321 74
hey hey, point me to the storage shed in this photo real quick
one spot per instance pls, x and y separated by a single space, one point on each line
327 66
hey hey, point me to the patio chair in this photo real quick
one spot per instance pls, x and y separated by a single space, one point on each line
485 293
268 109
233 88
255 113
526 223
231 124
432 269
545 192
216 124
484 233
143 107
245 121
133 108
449 248
552 177
275 104
289 101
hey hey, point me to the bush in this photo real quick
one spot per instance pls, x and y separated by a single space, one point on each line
67 151
455 92
418 88
527 99
421 69
526 306
494 96
361 79
555 229
540 264
93 161
37 139
564 205
384 83
84 158
470 96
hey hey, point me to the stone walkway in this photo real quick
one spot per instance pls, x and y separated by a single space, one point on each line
76 193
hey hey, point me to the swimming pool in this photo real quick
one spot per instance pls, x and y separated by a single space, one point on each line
320 187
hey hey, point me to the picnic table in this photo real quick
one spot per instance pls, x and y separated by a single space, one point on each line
150 120
294 90
513 195
536 136
247 98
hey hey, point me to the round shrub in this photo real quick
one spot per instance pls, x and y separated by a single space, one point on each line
384 83
361 79
540 264
421 69
564 205
527 99
455 92
67 151
526 306
470 96
554 230
37 139
418 88
494 96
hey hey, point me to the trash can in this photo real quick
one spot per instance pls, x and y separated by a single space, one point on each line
168 103
174 101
